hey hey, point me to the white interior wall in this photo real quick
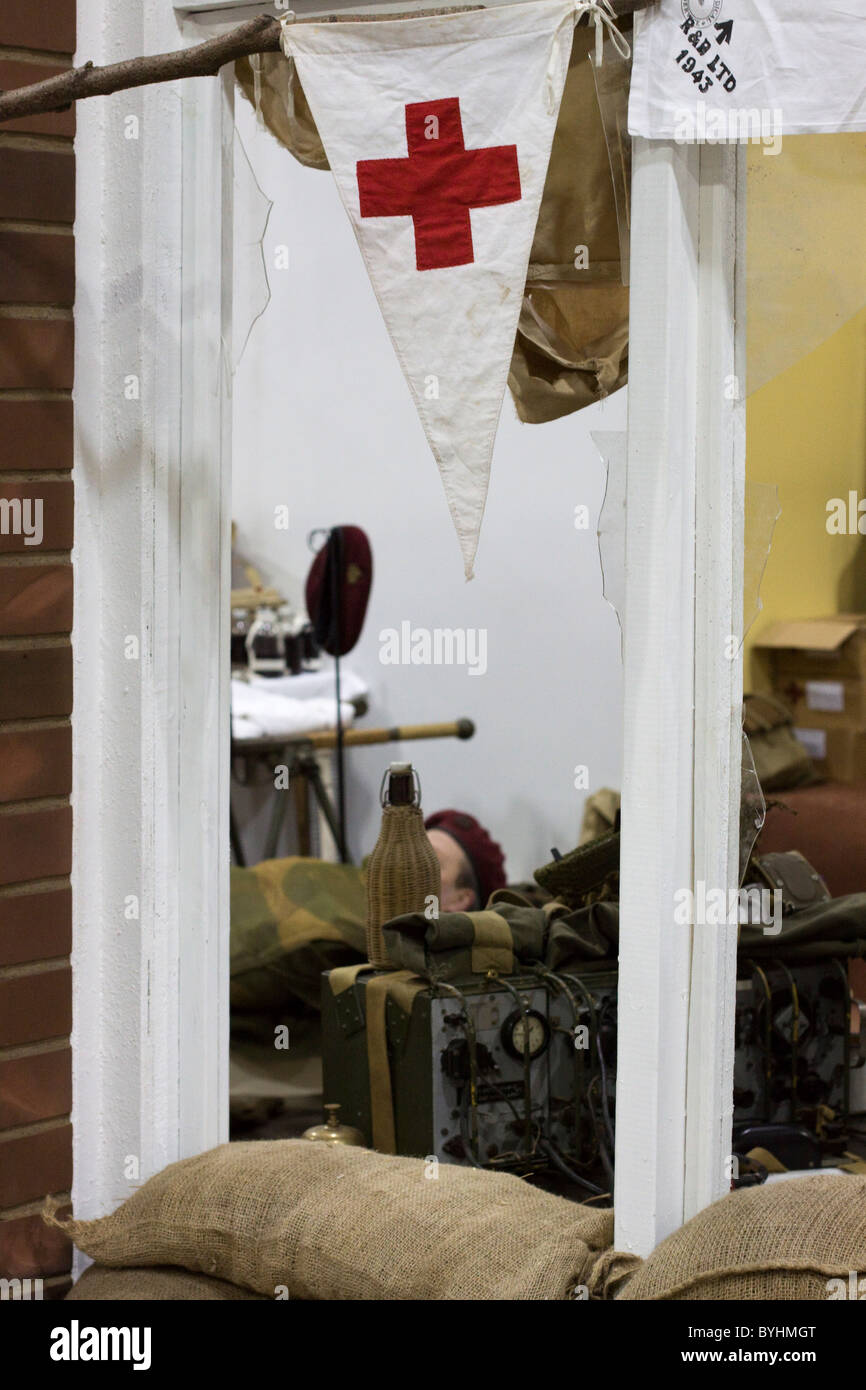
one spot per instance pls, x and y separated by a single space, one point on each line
323 422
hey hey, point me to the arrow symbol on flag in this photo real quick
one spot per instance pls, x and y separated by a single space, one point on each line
724 31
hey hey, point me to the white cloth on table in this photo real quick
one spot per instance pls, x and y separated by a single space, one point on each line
311 684
258 711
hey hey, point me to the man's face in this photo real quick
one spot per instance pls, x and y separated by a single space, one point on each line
455 866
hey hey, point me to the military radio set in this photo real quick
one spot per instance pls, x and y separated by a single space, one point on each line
489 1039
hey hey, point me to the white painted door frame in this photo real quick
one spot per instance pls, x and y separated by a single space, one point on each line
683 683
150 721
151 733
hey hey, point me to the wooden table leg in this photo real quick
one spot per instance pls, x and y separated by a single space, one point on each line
235 840
301 790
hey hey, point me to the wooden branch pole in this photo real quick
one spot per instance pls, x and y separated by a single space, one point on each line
259 35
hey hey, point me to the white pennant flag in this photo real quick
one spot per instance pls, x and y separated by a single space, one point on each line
438 132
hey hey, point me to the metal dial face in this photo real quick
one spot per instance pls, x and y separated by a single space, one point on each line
518 1026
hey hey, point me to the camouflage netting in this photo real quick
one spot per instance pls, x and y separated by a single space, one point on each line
290 920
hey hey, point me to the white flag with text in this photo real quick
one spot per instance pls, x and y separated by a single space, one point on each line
723 71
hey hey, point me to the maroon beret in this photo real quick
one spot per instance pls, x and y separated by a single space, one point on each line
484 854
338 587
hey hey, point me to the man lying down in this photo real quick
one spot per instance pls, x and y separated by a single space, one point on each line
293 918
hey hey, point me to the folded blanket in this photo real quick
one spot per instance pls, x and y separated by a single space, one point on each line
258 711
310 685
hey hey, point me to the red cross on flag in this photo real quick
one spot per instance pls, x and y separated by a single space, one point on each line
438 132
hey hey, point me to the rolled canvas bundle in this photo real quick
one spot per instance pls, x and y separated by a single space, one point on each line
507 936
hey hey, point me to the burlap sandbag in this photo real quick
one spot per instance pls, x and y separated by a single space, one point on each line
345 1223
782 1241
98 1283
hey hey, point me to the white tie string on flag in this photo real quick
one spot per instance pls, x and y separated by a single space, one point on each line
438 132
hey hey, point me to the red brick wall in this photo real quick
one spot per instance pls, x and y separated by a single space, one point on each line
37 267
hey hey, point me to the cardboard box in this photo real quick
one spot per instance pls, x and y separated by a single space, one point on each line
839 754
817 666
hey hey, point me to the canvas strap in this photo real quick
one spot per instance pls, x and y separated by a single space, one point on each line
493 945
402 986
344 976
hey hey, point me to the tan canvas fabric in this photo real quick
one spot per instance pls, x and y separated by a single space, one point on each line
578 206
283 106
599 814
343 1223
571 349
572 335
781 761
782 1241
99 1283
403 987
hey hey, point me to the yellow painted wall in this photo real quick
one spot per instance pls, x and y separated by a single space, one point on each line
806 428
